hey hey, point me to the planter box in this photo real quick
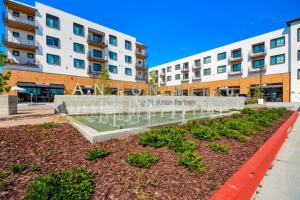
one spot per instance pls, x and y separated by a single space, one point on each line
8 105
261 101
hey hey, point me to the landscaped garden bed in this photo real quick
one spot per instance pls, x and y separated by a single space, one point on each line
186 162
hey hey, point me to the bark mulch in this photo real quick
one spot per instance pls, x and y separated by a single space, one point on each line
64 147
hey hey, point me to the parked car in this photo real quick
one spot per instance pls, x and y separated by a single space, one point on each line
246 100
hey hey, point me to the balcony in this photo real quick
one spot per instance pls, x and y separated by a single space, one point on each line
140 67
98 59
196 77
236 72
185 69
185 79
92 71
257 69
141 78
19 43
235 59
196 67
261 54
141 54
22 61
19 22
162 82
96 42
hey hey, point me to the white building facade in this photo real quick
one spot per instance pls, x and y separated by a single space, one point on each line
271 60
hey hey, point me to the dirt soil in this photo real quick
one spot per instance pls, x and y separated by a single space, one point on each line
115 179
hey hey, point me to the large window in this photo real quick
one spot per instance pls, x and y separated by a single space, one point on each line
169 69
221 56
298 34
277 42
97 53
298 74
221 69
169 78
113 40
128 45
52 41
128 71
257 64
237 53
177 77
53 59
79 48
128 59
277 59
207 60
237 67
177 67
197 62
97 67
113 69
258 48
298 55
52 21
207 71
113 55
78 29
79 63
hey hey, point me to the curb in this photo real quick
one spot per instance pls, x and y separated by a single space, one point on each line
243 183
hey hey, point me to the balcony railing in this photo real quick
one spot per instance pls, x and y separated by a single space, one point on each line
140 78
236 72
262 53
232 59
196 67
92 71
141 53
185 69
257 69
94 58
22 61
196 77
185 79
96 42
18 40
19 19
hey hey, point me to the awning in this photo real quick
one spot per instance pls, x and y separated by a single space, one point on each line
40 85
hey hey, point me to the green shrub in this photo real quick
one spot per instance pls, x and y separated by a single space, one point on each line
221 148
192 161
73 183
233 134
35 168
142 159
253 101
152 139
95 153
5 179
49 125
192 123
182 145
242 126
205 133
17 167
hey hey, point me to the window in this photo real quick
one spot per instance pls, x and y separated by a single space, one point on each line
221 69
298 74
97 53
97 67
197 62
53 59
169 78
177 67
128 71
16 53
96 38
207 60
277 42
16 14
78 29
169 69
298 55
52 21
258 48
277 59
237 53
221 56
30 18
29 37
113 40
113 55
16 34
298 34
30 55
113 69
79 63
52 41
128 45
79 48
128 59
257 64
207 72
236 67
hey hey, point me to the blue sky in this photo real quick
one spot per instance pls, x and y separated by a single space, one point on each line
174 29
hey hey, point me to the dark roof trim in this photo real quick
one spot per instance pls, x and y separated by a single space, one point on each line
288 23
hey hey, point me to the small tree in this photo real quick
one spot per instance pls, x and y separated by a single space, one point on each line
152 87
104 81
6 77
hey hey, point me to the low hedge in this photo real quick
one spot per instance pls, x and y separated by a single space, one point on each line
142 159
192 161
95 153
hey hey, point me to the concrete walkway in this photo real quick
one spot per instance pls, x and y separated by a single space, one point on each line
282 181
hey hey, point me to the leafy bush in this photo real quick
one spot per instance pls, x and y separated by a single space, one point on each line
95 153
17 167
192 123
5 179
221 148
142 159
205 133
242 126
192 161
73 183
49 125
253 101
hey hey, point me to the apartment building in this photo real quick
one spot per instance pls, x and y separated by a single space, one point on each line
270 60
50 51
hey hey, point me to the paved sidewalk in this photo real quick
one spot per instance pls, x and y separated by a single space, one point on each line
282 181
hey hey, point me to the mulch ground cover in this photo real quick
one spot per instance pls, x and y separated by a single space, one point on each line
64 147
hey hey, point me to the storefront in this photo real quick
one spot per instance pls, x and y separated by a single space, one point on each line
39 92
270 92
